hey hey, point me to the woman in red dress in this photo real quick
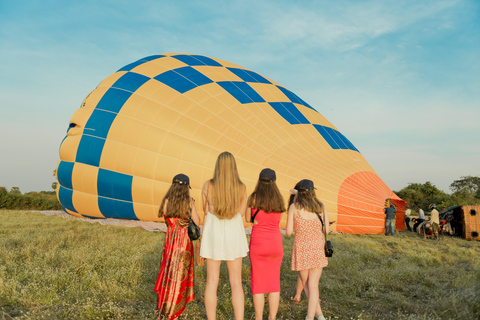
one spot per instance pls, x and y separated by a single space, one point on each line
175 281
265 207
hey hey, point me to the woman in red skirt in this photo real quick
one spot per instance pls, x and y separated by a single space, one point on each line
175 282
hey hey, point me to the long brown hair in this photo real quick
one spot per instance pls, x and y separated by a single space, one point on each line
267 197
228 190
308 201
178 196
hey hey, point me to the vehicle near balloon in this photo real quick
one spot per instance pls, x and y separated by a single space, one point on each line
461 221
175 113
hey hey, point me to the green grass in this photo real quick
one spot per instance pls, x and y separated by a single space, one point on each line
56 268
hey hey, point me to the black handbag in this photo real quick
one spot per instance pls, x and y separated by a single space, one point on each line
328 244
193 229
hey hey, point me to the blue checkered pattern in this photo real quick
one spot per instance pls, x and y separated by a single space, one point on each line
114 189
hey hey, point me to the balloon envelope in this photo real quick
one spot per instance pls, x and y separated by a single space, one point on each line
175 113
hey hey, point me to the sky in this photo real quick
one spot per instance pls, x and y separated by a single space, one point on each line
400 79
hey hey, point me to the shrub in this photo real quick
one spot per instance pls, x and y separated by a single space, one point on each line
44 200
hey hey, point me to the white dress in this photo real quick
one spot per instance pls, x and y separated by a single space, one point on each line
223 239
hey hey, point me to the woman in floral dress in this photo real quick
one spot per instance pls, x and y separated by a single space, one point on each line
175 281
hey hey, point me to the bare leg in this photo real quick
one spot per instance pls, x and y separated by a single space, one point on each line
258 303
298 293
310 279
238 297
213 274
273 302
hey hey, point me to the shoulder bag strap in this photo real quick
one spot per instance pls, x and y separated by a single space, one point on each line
323 226
189 211
254 215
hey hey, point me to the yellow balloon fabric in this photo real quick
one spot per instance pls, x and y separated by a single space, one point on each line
175 113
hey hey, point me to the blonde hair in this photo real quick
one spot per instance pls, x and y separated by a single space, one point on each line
308 201
178 196
267 197
228 190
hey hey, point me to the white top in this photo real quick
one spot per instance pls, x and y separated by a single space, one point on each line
407 212
223 239
421 214
435 216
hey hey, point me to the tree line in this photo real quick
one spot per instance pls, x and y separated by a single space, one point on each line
465 191
14 199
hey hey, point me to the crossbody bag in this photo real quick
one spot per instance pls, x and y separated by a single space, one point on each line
328 244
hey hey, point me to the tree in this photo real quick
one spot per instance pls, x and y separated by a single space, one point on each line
15 190
54 184
418 194
468 184
466 190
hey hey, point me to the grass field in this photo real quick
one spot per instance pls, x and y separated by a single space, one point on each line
56 268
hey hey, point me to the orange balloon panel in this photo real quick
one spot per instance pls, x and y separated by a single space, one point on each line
175 113
361 203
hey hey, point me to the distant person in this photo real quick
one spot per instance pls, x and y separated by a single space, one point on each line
308 254
224 202
264 209
390 213
421 218
175 281
434 219
407 218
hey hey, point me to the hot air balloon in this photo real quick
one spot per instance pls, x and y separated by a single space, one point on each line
175 113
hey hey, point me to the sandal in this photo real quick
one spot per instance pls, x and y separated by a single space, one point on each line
294 300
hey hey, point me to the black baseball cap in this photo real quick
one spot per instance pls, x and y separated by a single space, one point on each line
305 185
267 175
181 179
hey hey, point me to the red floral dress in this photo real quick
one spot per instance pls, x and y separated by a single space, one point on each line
175 282
308 244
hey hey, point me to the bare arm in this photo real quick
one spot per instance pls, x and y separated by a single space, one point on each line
193 208
248 212
243 204
164 209
291 212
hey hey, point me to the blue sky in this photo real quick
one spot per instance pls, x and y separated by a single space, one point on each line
400 79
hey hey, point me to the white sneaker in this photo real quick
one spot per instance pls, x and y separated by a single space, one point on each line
320 317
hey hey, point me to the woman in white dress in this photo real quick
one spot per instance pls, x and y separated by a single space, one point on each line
224 203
